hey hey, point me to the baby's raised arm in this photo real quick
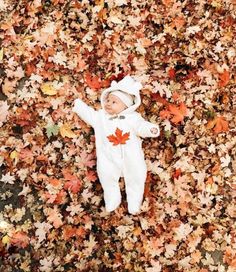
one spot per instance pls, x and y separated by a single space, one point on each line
146 129
86 113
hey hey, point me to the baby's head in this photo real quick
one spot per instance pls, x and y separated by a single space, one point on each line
117 101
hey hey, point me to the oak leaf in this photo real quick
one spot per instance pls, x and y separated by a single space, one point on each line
119 137
20 239
54 217
3 111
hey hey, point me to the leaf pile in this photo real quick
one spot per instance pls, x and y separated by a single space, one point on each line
52 212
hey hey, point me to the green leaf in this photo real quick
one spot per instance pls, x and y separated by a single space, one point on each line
52 130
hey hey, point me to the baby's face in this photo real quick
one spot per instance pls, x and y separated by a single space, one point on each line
113 104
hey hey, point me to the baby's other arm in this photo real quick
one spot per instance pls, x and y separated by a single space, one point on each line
86 113
147 129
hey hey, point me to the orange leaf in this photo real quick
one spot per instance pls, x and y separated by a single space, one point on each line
178 22
176 112
165 114
68 232
20 239
219 124
224 78
118 138
93 82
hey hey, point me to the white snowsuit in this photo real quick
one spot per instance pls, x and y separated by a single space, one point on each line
122 160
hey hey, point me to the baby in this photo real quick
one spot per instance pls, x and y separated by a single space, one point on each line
118 128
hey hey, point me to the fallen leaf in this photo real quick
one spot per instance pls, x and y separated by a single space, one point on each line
20 239
224 78
52 130
93 82
54 217
66 131
175 113
48 89
3 112
218 124
73 183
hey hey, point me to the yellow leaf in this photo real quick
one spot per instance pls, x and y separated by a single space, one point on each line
14 155
66 131
1 54
47 88
6 240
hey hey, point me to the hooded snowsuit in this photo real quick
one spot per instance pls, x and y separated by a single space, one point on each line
124 159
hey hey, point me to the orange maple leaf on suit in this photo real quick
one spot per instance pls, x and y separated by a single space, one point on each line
118 138
224 78
176 113
219 124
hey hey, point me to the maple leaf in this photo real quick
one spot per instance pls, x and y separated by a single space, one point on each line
219 124
91 176
176 113
73 183
86 159
118 138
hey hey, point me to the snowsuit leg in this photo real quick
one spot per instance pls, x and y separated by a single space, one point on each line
109 175
135 178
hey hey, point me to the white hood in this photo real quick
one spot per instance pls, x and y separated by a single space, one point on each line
127 85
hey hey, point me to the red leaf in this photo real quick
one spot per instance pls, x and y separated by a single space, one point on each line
171 73
158 98
118 138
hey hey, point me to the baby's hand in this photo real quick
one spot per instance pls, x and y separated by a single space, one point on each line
154 130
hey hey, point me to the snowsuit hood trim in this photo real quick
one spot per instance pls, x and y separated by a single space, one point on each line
127 85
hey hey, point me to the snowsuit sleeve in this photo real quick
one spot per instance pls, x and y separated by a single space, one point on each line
144 129
86 113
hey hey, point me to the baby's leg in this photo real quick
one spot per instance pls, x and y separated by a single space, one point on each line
109 175
134 187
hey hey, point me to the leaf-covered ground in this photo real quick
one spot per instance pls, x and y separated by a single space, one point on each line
52 212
